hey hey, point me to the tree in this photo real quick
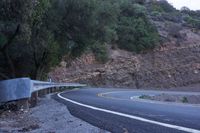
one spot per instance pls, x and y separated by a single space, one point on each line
185 9
86 22
41 41
14 15
27 44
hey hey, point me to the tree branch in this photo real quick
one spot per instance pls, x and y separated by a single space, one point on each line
4 76
4 51
11 38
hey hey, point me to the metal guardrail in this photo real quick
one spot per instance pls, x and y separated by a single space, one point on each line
38 85
21 88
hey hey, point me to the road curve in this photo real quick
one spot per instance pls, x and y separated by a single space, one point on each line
118 111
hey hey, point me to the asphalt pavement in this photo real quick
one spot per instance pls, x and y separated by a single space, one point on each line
121 111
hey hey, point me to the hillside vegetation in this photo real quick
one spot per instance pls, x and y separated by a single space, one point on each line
174 60
34 35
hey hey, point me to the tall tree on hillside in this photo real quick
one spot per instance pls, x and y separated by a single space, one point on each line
13 26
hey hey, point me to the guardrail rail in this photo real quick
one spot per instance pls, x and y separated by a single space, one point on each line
22 88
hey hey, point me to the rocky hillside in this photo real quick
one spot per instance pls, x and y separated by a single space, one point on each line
175 62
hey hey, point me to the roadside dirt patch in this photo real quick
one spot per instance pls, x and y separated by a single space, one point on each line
17 121
48 116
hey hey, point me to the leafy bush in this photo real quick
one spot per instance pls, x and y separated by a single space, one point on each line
162 11
139 10
184 100
193 22
163 6
185 9
145 97
100 52
157 8
135 32
140 1
174 17
156 13
192 18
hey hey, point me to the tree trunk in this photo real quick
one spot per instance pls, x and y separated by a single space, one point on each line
10 63
40 77
4 76
34 96
4 51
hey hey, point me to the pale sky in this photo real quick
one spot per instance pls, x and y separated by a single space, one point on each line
192 4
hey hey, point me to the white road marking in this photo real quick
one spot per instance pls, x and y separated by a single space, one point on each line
185 129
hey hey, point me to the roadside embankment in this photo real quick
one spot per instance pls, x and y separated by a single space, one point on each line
48 117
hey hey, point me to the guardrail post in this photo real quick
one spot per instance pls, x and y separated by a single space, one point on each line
42 93
48 91
23 104
34 99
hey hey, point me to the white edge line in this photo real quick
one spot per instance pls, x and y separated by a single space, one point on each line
190 130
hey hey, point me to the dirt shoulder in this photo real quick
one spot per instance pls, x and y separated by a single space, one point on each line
186 98
48 117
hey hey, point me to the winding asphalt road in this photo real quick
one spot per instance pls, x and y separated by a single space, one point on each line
120 111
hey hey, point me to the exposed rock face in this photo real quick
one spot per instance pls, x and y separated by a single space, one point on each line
170 68
175 63
118 71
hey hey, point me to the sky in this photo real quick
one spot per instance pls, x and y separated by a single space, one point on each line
192 4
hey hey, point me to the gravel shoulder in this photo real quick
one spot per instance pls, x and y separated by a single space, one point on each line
48 117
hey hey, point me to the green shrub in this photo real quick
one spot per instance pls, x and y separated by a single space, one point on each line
140 1
139 10
110 34
164 6
157 8
100 52
136 34
193 22
156 13
162 11
184 100
145 97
